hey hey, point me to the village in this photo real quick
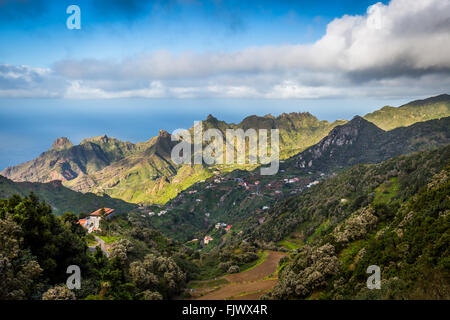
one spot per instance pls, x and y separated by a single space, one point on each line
243 191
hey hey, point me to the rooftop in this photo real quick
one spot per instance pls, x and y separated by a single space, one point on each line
98 212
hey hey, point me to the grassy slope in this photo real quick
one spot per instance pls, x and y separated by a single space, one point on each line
61 198
232 204
143 172
408 195
389 118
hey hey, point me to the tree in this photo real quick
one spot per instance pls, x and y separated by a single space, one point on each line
157 273
58 293
18 269
53 243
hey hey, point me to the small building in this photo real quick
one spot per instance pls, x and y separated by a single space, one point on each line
312 184
92 221
161 213
207 239
228 228
220 225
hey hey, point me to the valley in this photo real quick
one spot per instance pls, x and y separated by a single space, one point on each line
347 194
246 285
144 172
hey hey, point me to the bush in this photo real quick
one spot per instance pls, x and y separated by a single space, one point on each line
233 269
59 293
224 266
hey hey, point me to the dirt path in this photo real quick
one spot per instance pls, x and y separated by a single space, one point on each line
266 268
102 245
247 285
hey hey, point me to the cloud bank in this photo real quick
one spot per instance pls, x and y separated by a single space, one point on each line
392 50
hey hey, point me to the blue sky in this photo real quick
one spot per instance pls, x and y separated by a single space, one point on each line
138 66
119 28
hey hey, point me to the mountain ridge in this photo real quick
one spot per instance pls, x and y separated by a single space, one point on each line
388 118
132 172
239 195
60 198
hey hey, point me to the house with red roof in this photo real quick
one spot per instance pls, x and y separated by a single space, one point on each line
207 239
102 212
92 221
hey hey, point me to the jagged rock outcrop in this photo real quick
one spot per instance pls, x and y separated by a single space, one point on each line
62 143
360 141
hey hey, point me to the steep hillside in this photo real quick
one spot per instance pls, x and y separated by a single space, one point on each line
66 162
388 118
360 141
297 130
240 195
148 175
60 198
393 215
144 172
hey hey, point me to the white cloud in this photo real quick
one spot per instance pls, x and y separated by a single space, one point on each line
386 52
24 81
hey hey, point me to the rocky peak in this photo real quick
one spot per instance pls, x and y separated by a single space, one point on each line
99 140
163 134
354 126
104 139
62 143
344 135
211 118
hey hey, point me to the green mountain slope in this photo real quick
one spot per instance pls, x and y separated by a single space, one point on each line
389 118
144 172
360 141
66 162
60 198
393 215
148 175
297 130
223 198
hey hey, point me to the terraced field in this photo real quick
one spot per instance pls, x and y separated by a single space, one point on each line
246 285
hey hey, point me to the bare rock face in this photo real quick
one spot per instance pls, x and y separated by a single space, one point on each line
343 142
61 144
163 134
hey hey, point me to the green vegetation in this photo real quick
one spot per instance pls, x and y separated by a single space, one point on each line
144 172
396 217
389 118
385 192
249 266
207 284
289 244
365 207
109 240
62 199
37 247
